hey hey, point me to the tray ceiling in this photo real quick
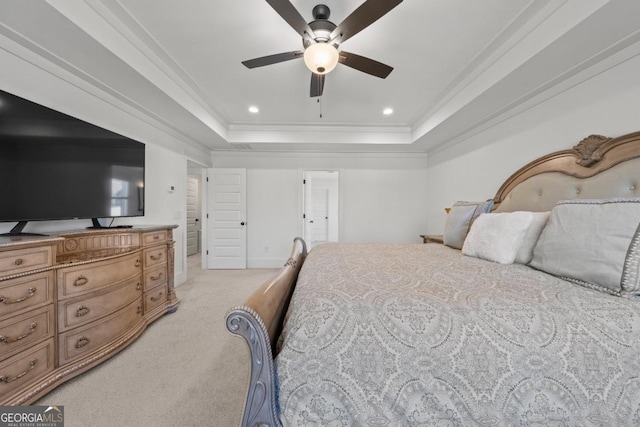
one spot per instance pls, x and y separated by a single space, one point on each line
459 65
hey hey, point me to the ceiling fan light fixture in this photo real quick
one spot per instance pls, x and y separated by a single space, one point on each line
321 58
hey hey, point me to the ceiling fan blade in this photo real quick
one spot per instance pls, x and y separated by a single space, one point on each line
317 84
290 14
272 59
368 13
365 65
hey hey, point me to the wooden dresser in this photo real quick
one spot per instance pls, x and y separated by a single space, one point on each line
72 300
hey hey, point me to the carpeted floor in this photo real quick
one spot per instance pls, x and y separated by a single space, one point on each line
185 369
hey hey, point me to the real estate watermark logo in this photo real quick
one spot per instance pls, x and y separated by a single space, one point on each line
31 416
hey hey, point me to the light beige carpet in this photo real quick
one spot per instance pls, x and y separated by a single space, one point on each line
185 369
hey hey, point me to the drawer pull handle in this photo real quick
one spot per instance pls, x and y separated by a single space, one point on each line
156 257
32 329
18 261
82 341
139 310
158 277
82 311
156 237
80 281
154 299
138 262
7 380
139 286
30 292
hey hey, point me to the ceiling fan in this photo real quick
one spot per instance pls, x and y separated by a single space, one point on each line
321 39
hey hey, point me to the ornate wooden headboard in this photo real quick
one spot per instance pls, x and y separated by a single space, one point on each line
597 167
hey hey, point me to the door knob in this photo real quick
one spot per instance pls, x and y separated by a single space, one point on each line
242 223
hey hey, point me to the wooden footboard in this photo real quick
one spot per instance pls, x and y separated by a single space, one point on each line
259 322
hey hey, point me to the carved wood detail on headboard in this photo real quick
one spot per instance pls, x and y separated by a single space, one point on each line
589 149
592 155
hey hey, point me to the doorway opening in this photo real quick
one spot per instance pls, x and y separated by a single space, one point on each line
320 207
194 214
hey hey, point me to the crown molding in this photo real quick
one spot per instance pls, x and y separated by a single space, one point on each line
51 81
125 40
557 53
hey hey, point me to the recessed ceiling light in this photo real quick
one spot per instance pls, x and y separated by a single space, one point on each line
253 109
387 111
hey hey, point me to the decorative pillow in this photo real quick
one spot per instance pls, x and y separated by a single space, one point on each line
593 243
631 270
497 237
538 221
459 220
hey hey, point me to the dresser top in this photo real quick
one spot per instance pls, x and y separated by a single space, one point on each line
20 241
16 242
116 230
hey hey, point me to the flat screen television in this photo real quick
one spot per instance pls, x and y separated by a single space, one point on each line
54 166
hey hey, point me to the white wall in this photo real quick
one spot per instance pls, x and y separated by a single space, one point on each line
272 215
163 170
607 104
384 205
383 198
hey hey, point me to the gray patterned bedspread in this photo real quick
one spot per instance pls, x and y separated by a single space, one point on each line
420 335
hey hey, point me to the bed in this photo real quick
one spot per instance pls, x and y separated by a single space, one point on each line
403 335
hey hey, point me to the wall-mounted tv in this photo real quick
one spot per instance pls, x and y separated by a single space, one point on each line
54 166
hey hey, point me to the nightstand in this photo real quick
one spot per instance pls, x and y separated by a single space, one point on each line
431 238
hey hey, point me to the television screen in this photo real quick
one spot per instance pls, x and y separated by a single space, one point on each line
54 166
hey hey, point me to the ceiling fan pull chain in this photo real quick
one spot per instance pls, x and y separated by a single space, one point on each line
320 105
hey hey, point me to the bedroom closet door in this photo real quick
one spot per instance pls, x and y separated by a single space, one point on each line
227 217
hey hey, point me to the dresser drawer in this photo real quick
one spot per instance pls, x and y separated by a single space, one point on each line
78 311
85 339
155 256
26 367
89 277
21 260
155 276
26 329
154 237
27 292
155 297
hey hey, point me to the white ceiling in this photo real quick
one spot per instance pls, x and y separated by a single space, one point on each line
459 65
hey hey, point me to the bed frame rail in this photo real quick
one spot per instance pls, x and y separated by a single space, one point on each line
259 322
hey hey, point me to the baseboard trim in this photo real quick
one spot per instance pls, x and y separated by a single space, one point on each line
179 279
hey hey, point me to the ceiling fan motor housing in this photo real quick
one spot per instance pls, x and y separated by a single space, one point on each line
321 30
321 11
321 26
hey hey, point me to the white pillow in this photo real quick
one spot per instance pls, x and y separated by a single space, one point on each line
497 237
538 221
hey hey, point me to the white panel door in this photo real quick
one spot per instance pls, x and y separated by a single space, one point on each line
192 216
227 210
320 215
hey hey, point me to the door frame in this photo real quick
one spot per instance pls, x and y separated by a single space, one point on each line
195 167
198 214
301 220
